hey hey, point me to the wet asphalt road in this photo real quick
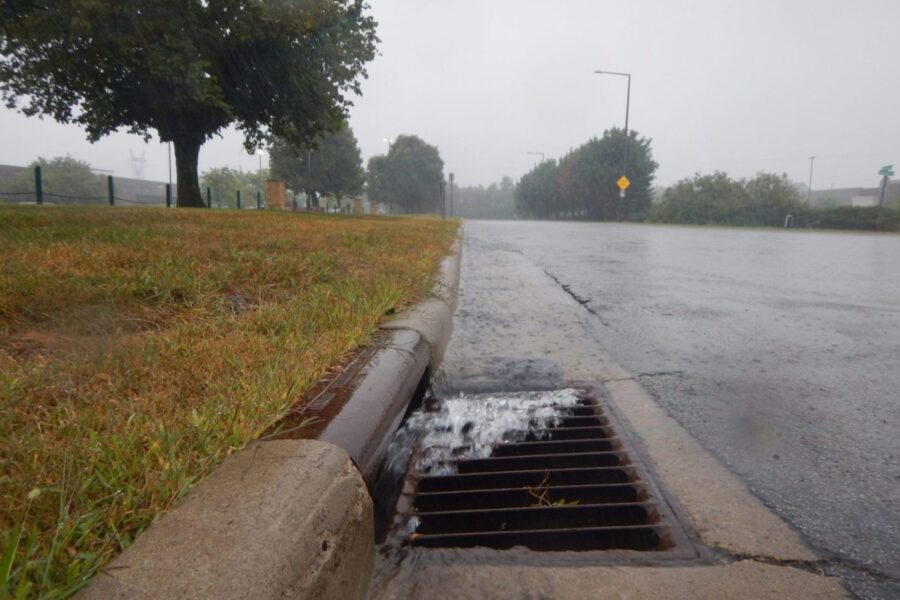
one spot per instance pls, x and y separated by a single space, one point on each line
779 351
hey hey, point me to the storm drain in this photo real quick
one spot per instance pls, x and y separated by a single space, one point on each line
544 470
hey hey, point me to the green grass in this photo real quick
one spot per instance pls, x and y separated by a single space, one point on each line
139 347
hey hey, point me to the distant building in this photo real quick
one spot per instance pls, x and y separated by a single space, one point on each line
857 196
864 201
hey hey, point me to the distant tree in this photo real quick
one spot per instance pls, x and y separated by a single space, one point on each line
410 175
772 197
588 175
63 175
330 166
496 201
187 68
224 183
718 199
715 198
537 193
376 180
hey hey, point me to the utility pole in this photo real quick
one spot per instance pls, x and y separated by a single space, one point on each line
809 187
308 179
451 195
169 144
886 172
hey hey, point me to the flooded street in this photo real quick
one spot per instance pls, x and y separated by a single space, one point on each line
779 351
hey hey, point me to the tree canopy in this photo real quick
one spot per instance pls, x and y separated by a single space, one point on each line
583 183
495 201
410 175
718 199
330 166
537 193
187 69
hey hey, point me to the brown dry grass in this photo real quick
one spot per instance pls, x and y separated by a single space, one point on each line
138 347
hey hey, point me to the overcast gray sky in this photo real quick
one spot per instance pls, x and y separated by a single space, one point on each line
739 86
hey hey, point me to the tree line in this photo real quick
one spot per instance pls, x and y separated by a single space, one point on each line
408 179
582 184
766 200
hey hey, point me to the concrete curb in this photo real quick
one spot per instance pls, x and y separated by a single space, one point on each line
376 405
293 517
433 318
277 519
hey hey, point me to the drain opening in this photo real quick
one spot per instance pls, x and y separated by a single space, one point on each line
543 470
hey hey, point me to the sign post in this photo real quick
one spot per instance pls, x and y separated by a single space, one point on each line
885 172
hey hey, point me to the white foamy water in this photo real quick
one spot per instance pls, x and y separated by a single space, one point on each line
467 427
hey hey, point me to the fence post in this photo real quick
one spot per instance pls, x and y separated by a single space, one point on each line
239 199
111 188
258 200
38 185
209 197
168 195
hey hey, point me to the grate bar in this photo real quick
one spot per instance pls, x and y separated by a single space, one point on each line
639 537
556 447
523 497
541 461
538 517
531 478
571 433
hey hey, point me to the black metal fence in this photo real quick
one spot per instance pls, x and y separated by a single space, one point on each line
151 195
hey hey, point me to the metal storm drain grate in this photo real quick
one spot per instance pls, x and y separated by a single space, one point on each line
543 470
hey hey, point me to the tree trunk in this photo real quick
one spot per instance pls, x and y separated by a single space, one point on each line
187 151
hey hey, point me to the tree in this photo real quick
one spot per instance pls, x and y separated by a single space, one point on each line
496 201
187 69
717 199
702 199
583 183
587 177
411 175
63 176
537 193
330 166
772 197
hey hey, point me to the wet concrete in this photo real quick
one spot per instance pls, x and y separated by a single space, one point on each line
777 350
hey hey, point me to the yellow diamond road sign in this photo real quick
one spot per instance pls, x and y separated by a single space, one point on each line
623 183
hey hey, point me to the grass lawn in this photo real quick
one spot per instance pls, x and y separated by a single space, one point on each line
138 347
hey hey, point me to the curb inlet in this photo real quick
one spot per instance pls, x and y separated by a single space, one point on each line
546 471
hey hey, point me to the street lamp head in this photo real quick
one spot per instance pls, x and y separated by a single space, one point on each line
620 73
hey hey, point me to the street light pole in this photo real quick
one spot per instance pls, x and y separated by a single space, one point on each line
809 187
452 176
627 111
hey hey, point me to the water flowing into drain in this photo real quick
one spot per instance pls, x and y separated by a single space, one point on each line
467 427
544 470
